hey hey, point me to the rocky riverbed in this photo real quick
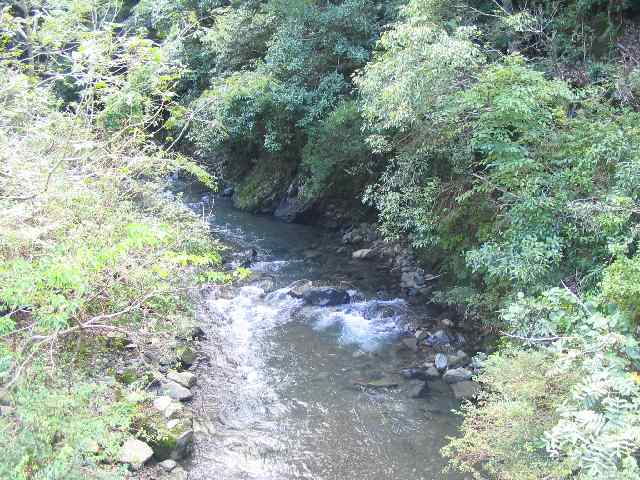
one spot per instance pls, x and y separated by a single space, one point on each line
326 364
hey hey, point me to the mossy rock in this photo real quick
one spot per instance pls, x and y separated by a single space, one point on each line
173 440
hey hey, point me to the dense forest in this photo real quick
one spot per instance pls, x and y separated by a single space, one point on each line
499 139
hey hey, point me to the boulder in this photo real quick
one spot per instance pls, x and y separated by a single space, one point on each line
325 296
363 254
175 441
186 356
456 375
457 359
173 410
465 390
161 403
176 391
412 279
438 339
135 452
411 343
293 205
431 373
417 389
186 379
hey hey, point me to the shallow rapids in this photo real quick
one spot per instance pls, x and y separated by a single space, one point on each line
281 393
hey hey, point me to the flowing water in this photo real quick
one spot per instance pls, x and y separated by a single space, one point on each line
279 395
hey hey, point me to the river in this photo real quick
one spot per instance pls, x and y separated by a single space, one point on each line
279 395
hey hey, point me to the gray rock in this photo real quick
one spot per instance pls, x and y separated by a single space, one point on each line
363 254
176 391
431 373
183 445
135 452
417 388
186 356
293 205
437 339
186 379
412 279
456 375
161 403
441 361
168 465
325 296
194 333
457 359
465 390
411 343
227 192
173 410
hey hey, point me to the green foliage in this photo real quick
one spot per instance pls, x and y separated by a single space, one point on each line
278 76
334 148
621 285
502 435
89 242
66 430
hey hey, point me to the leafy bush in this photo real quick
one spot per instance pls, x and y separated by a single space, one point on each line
90 245
502 435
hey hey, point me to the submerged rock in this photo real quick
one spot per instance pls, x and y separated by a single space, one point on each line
457 359
325 296
135 452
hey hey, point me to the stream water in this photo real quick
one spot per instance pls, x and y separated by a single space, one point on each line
279 395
